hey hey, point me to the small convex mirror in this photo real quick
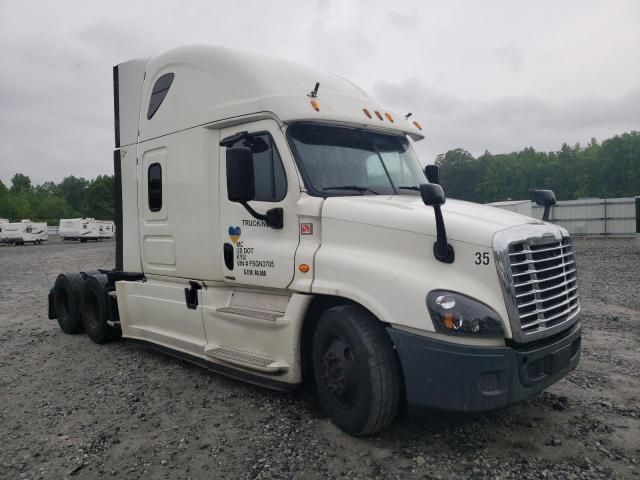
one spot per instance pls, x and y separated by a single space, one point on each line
545 198
432 172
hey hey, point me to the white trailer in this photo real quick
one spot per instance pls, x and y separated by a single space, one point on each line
25 231
82 229
273 224
3 235
106 229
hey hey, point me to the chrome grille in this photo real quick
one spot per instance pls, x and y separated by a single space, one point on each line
539 279
544 282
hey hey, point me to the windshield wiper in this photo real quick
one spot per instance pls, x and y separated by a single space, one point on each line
357 188
417 189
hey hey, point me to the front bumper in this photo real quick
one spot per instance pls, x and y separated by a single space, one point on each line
464 378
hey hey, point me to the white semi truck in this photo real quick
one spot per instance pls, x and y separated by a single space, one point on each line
25 231
274 225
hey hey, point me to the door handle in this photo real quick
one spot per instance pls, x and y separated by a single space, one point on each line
228 255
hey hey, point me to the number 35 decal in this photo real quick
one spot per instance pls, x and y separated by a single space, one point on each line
482 258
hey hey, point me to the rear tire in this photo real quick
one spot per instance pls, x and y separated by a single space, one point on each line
89 273
356 370
67 291
95 310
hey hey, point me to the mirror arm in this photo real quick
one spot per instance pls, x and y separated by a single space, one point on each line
274 216
231 139
441 248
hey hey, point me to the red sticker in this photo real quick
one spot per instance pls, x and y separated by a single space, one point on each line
306 229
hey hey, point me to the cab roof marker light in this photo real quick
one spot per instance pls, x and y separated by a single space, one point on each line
367 112
379 115
315 105
389 117
417 125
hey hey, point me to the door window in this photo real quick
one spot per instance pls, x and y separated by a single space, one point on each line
270 179
154 185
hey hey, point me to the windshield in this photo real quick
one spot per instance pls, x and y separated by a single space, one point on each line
349 161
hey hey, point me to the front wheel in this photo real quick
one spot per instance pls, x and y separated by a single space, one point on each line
356 370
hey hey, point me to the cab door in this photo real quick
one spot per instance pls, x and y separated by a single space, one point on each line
254 253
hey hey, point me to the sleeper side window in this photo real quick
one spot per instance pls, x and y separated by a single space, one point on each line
159 91
154 186
270 178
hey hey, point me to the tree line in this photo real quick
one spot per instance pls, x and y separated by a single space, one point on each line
73 197
609 169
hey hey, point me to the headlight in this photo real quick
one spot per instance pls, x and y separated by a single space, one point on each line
456 314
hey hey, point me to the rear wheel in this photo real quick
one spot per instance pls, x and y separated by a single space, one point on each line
356 370
95 310
66 294
89 273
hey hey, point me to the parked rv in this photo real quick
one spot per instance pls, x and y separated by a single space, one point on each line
3 235
25 231
273 224
85 229
106 229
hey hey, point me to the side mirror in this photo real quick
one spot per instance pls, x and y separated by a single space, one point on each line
432 194
432 173
240 175
241 186
545 198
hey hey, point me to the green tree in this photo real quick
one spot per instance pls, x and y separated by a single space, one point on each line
100 198
610 169
20 183
73 190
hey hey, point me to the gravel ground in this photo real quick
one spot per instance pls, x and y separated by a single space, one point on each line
70 408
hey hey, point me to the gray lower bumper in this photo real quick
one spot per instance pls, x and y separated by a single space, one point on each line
455 377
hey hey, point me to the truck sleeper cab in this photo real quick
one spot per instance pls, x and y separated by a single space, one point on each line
274 225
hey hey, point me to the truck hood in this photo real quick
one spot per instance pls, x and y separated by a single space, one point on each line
464 221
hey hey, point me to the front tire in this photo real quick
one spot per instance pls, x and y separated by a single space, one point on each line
356 370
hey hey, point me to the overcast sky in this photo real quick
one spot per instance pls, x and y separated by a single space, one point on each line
487 75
